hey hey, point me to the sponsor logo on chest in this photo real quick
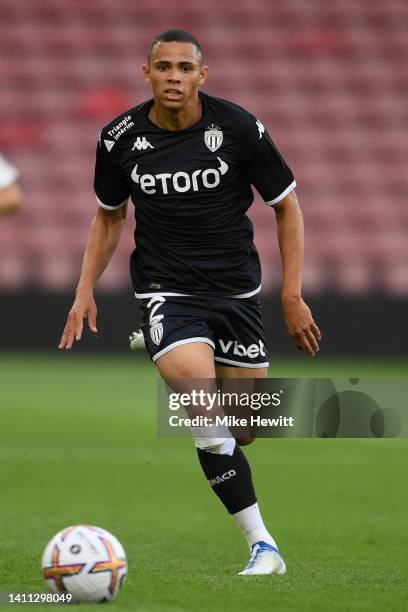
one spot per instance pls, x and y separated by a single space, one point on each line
141 144
180 182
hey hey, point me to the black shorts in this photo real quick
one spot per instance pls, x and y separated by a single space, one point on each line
232 327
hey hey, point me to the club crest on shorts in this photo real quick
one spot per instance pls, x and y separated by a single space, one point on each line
213 137
156 331
156 327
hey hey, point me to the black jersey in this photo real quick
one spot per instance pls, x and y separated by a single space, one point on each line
191 190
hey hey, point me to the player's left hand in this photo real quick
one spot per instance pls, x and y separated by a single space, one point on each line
301 326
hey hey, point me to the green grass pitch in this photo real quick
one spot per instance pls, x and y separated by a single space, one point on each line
78 445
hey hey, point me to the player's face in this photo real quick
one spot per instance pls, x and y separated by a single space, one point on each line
175 72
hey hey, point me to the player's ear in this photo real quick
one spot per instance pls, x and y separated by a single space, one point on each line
146 73
203 75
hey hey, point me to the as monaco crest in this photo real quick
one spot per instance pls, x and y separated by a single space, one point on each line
213 137
156 329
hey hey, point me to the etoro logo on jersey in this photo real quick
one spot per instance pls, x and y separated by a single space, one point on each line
180 182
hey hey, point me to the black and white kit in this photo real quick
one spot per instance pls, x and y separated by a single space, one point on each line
191 191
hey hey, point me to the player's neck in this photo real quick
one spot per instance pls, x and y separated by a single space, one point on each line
176 119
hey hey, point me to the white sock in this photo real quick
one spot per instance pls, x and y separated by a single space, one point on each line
252 525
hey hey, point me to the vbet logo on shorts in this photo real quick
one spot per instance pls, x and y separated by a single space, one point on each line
252 351
180 181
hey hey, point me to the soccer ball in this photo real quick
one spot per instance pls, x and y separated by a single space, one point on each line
85 561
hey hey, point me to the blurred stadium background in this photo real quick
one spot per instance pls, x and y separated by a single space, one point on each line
329 80
77 434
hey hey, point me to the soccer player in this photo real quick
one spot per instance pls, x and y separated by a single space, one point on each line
10 193
188 160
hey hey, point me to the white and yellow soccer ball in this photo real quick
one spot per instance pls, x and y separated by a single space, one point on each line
85 561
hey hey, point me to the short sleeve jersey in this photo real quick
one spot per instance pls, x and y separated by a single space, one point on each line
191 190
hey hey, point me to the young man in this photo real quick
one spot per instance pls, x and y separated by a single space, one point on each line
188 161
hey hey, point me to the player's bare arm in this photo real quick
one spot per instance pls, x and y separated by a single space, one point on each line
104 235
298 317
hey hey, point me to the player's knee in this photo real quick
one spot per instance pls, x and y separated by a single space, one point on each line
216 446
245 440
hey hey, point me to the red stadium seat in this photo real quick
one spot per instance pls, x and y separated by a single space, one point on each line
329 80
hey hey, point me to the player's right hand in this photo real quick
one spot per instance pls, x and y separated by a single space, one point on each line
84 307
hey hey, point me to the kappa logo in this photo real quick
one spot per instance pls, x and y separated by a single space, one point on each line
222 478
180 181
261 128
253 350
213 137
142 144
156 327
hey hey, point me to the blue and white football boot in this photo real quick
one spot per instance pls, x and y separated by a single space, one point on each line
265 559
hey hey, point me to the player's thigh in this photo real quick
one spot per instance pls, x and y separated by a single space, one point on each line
189 368
178 337
188 361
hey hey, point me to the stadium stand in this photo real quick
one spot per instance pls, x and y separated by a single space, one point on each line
329 79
